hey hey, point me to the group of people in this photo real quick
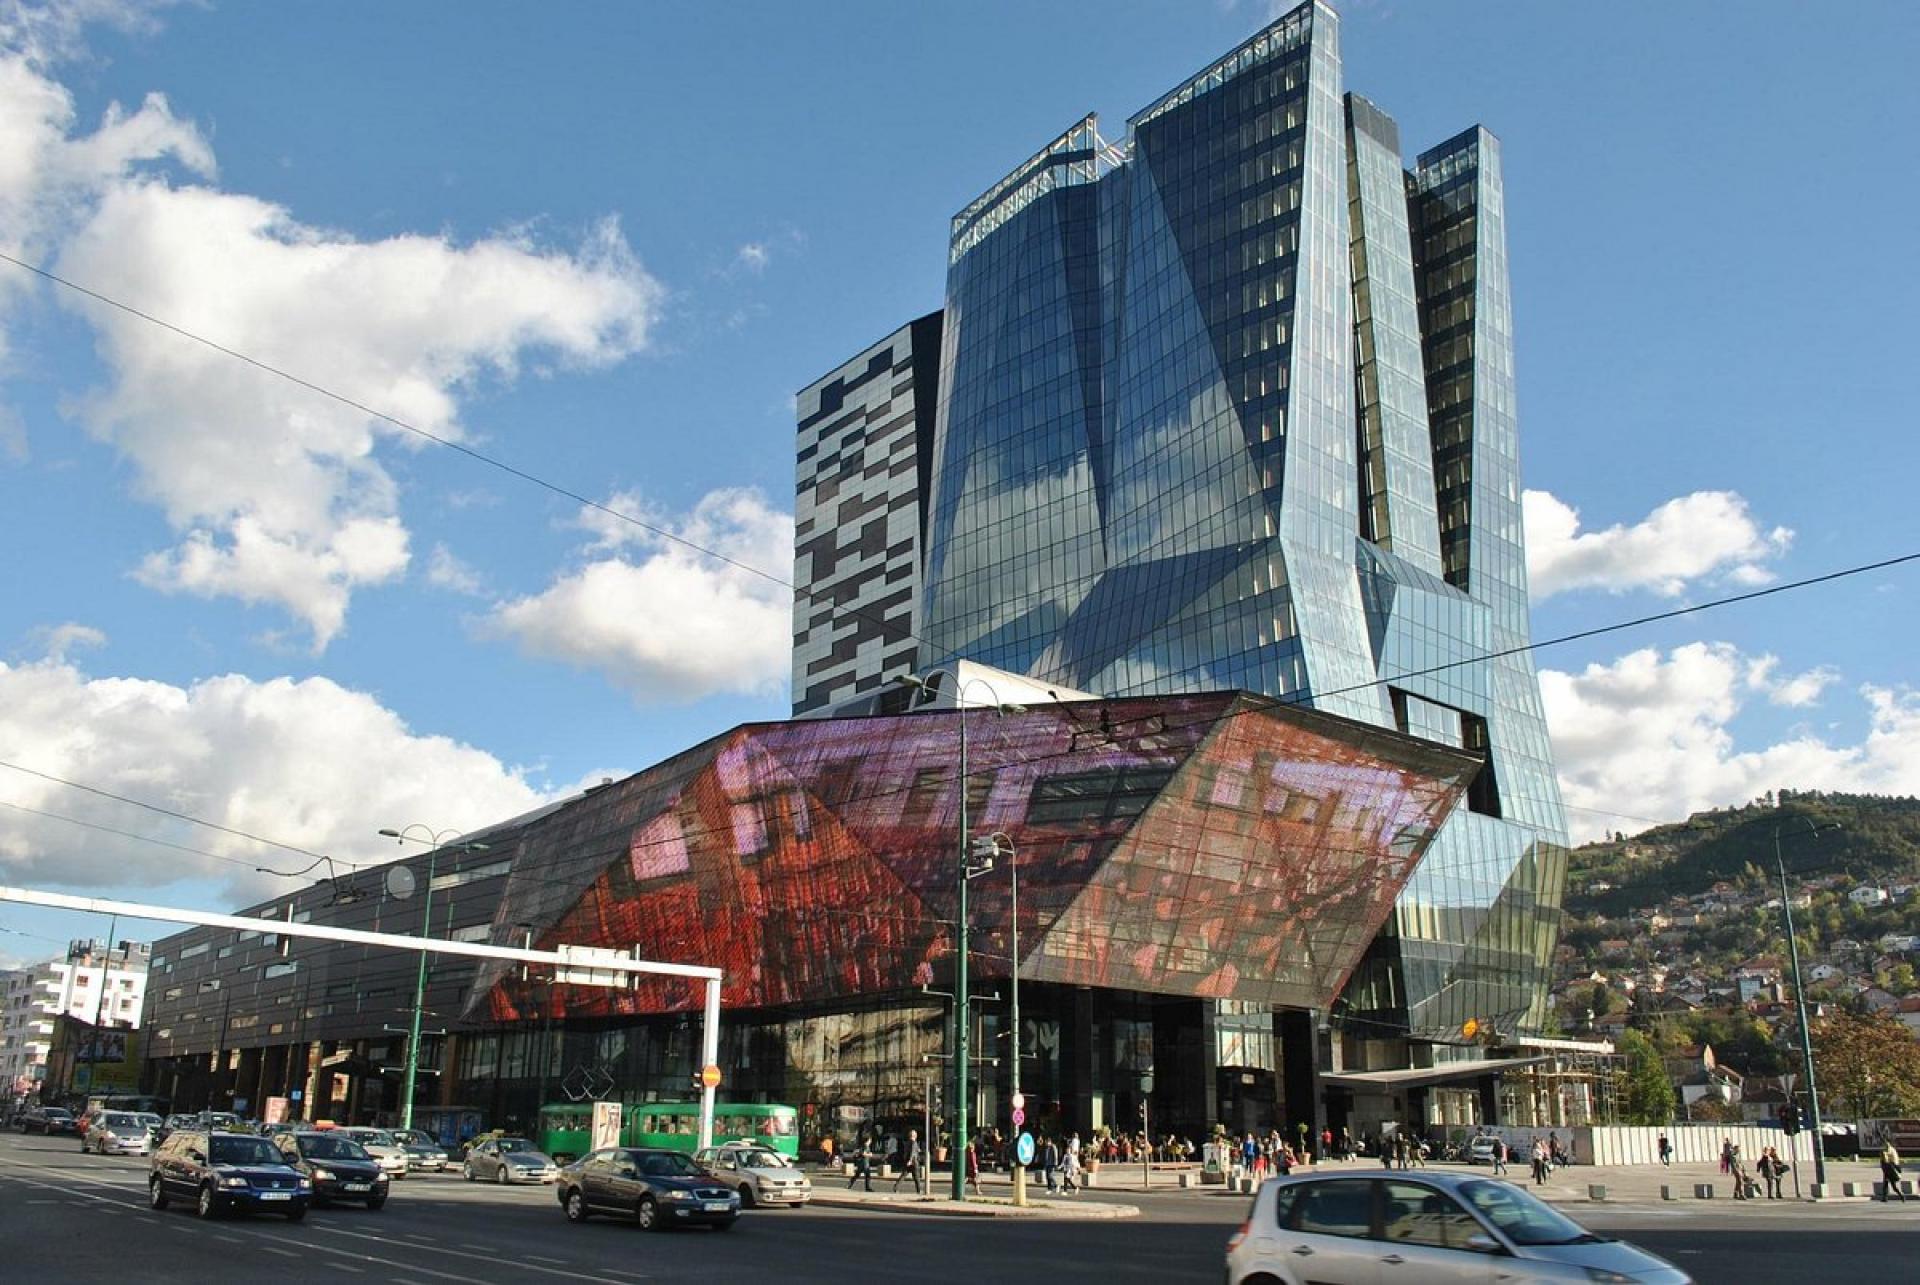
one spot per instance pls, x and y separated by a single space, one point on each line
1769 1167
1268 1153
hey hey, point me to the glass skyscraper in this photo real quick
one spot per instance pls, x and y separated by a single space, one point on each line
1230 404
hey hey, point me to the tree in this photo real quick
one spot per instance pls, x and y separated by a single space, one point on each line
1645 1093
1868 1064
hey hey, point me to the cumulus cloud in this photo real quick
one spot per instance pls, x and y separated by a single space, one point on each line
445 570
1650 735
753 256
56 641
307 762
1707 535
276 492
658 619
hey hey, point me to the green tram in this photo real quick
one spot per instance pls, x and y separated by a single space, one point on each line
566 1128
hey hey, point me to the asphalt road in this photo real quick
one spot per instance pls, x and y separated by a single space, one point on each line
68 1217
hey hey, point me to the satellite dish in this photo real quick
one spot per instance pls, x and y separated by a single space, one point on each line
400 882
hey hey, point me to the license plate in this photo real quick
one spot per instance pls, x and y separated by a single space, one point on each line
358 1186
276 1195
716 1206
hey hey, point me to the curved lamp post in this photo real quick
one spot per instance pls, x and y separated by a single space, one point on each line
1800 996
962 1017
436 840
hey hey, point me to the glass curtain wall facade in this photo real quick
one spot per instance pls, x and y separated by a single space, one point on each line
1230 404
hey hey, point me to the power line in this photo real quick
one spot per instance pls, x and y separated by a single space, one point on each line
127 834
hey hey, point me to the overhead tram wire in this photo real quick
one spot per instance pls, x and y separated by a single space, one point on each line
137 837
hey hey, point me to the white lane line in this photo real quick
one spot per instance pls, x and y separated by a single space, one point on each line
496 1261
275 1249
333 1266
542 1258
231 1240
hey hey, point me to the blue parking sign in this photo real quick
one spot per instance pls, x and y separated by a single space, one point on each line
1023 1150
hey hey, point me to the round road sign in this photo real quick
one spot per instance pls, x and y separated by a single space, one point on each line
1019 1102
1019 1117
1023 1150
710 1076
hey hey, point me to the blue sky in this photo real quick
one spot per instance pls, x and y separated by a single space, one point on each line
608 245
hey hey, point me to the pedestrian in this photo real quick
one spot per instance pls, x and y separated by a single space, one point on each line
1666 1150
1499 1155
1726 1155
862 1164
1771 1168
1070 1169
973 1168
1384 1145
1890 1173
1050 1163
1541 1160
914 1160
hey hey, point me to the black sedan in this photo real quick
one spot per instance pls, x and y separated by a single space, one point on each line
50 1120
338 1167
226 1173
658 1189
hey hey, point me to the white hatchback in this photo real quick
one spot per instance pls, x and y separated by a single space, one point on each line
1425 1228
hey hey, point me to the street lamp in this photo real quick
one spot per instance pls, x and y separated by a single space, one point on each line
437 841
226 1001
1800 994
962 1019
985 849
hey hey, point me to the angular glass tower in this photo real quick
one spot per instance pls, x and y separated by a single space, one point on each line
1231 405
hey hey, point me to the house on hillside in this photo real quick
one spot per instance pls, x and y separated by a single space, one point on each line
1899 943
1908 1011
1698 1075
1615 948
1824 972
1868 894
1878 1000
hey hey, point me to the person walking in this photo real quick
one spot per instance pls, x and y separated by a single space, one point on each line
862 1164
1540 1162
1771 1167
1070 1169
1050 1163
914 1161
1666 1150
1726 1155
973 1168
1499 1155
1890 1173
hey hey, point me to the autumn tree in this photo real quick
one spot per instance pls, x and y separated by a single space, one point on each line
1868 1064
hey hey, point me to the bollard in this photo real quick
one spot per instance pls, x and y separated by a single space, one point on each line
1703 1191
1596 1191
1186 1180
1853 1189
1246 1184
1666 1192
1821 1190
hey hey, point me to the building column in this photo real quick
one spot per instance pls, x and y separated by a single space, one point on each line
1079 1056
1300 1072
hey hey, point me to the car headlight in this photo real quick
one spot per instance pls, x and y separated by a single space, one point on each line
304 1184
323 1175
233 1182
679 1195
1610 1277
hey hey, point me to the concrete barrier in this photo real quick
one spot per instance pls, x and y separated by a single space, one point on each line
1185 1180
1245 1184
1666 1192
1703 1191
1596 1191
1820 1190
1856 1188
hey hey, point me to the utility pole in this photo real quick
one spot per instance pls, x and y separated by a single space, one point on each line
100 1004
1800 1001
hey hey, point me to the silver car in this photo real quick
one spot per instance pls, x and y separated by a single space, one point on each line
505 1160
382 1146
761 1175
1427 1227
117 1133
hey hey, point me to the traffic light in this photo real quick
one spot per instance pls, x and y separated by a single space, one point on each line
1790 1119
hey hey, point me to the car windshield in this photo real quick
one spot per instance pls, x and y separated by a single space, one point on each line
514 1144
243 1151
329 1147
1524 1220
666 1164
760 1158
58 1113
148 1117
120 1120
373 1137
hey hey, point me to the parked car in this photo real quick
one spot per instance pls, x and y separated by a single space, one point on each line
338 1167
1428 1226
119 1133
1481 1149
761 1175
659 1189
226 1172
381 1145
49 1121
422 1151
509 1159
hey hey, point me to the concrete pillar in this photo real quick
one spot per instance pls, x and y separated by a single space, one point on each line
1079 1056
1300 1054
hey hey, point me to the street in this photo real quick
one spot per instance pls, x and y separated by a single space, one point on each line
69 1217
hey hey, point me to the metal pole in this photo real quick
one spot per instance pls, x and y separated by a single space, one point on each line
1800 1007
419 1000
99 1005
709 1056
1146 1152
926 1134
1019 1170
962 1021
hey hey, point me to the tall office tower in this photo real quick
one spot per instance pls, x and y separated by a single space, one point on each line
1230 404
865 446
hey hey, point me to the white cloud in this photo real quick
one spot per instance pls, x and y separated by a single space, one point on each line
58 640
445 570
276 492
753 256
1704 535
669 623
306 762
1795 691
1650 736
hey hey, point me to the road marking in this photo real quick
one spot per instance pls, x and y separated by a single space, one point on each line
541 1258
275 1249
341 1267
497 1261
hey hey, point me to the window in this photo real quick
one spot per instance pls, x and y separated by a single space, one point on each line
1417 1215
473 932
1340 1208
473 874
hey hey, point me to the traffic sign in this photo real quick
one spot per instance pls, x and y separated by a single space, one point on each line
1019 1102
1019 1117
1023 1149
710 1076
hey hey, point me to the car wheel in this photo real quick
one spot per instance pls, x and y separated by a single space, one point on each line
649 1214
746 1195
576 1207
156 1194
207 1206
467 1172
296 1213
500 1175
376 1202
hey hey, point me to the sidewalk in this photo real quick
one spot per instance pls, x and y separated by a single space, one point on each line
830 1189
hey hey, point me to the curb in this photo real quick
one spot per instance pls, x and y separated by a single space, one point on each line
939 1209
